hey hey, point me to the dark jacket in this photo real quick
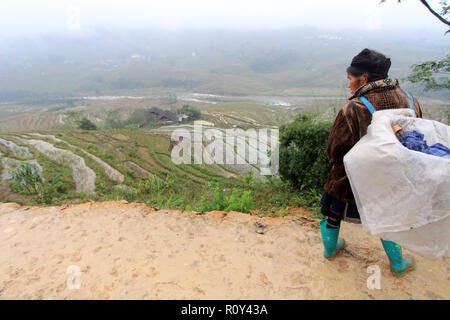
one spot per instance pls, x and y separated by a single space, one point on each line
350 125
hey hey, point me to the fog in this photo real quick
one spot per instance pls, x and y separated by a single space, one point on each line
27 17
79 47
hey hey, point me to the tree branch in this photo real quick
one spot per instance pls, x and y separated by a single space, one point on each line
434 12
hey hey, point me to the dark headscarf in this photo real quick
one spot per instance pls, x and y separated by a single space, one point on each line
375 64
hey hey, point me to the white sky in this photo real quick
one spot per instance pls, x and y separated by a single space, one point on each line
31 16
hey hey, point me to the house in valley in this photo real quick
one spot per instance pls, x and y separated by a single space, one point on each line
165 116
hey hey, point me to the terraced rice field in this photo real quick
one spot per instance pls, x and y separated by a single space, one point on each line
83 176
237 148
27 121
106 160
8 163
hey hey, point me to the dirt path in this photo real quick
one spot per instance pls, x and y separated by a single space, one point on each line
127 251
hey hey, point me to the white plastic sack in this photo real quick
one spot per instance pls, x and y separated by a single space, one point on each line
402 195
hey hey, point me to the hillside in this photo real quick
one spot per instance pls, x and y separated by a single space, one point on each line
101 62
91 164
130 251
132 165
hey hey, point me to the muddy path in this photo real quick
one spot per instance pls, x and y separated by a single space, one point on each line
130 251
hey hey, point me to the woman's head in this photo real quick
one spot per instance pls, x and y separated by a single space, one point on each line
367 66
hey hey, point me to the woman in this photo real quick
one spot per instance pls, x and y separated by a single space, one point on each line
368 76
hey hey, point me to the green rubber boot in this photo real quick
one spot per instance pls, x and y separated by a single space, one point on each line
399 264
331 242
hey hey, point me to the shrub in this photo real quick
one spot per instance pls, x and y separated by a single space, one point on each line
219 202
193 112
175 201
241 204
302 156
28 176
248 179
204 205
26 179
16 186
245 203
86 124
235 202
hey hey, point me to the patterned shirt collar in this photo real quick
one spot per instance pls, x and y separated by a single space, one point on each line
384 83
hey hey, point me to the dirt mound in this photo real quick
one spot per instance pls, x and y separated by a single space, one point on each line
120 250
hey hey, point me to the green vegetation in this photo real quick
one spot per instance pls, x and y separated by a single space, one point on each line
434 74
235 202
86 124
270 197
193 112
183 187
302 153
26 179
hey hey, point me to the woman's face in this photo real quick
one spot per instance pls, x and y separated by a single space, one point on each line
356 82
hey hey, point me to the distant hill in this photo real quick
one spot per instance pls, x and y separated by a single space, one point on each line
225 62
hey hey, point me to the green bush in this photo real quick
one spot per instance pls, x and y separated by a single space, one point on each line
242 203
175 201
16 187
204 205
86 124
26 179
219 202
28 176
302 156
102 153
193 112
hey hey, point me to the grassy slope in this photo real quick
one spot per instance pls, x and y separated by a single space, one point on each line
180 186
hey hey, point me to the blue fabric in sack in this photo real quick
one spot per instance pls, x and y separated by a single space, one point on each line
413 140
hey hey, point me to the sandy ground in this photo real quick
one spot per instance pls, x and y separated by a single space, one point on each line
130 251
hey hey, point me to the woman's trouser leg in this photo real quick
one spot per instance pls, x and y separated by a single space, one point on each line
334 221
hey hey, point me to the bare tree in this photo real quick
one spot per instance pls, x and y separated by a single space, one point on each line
445 8
429 71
